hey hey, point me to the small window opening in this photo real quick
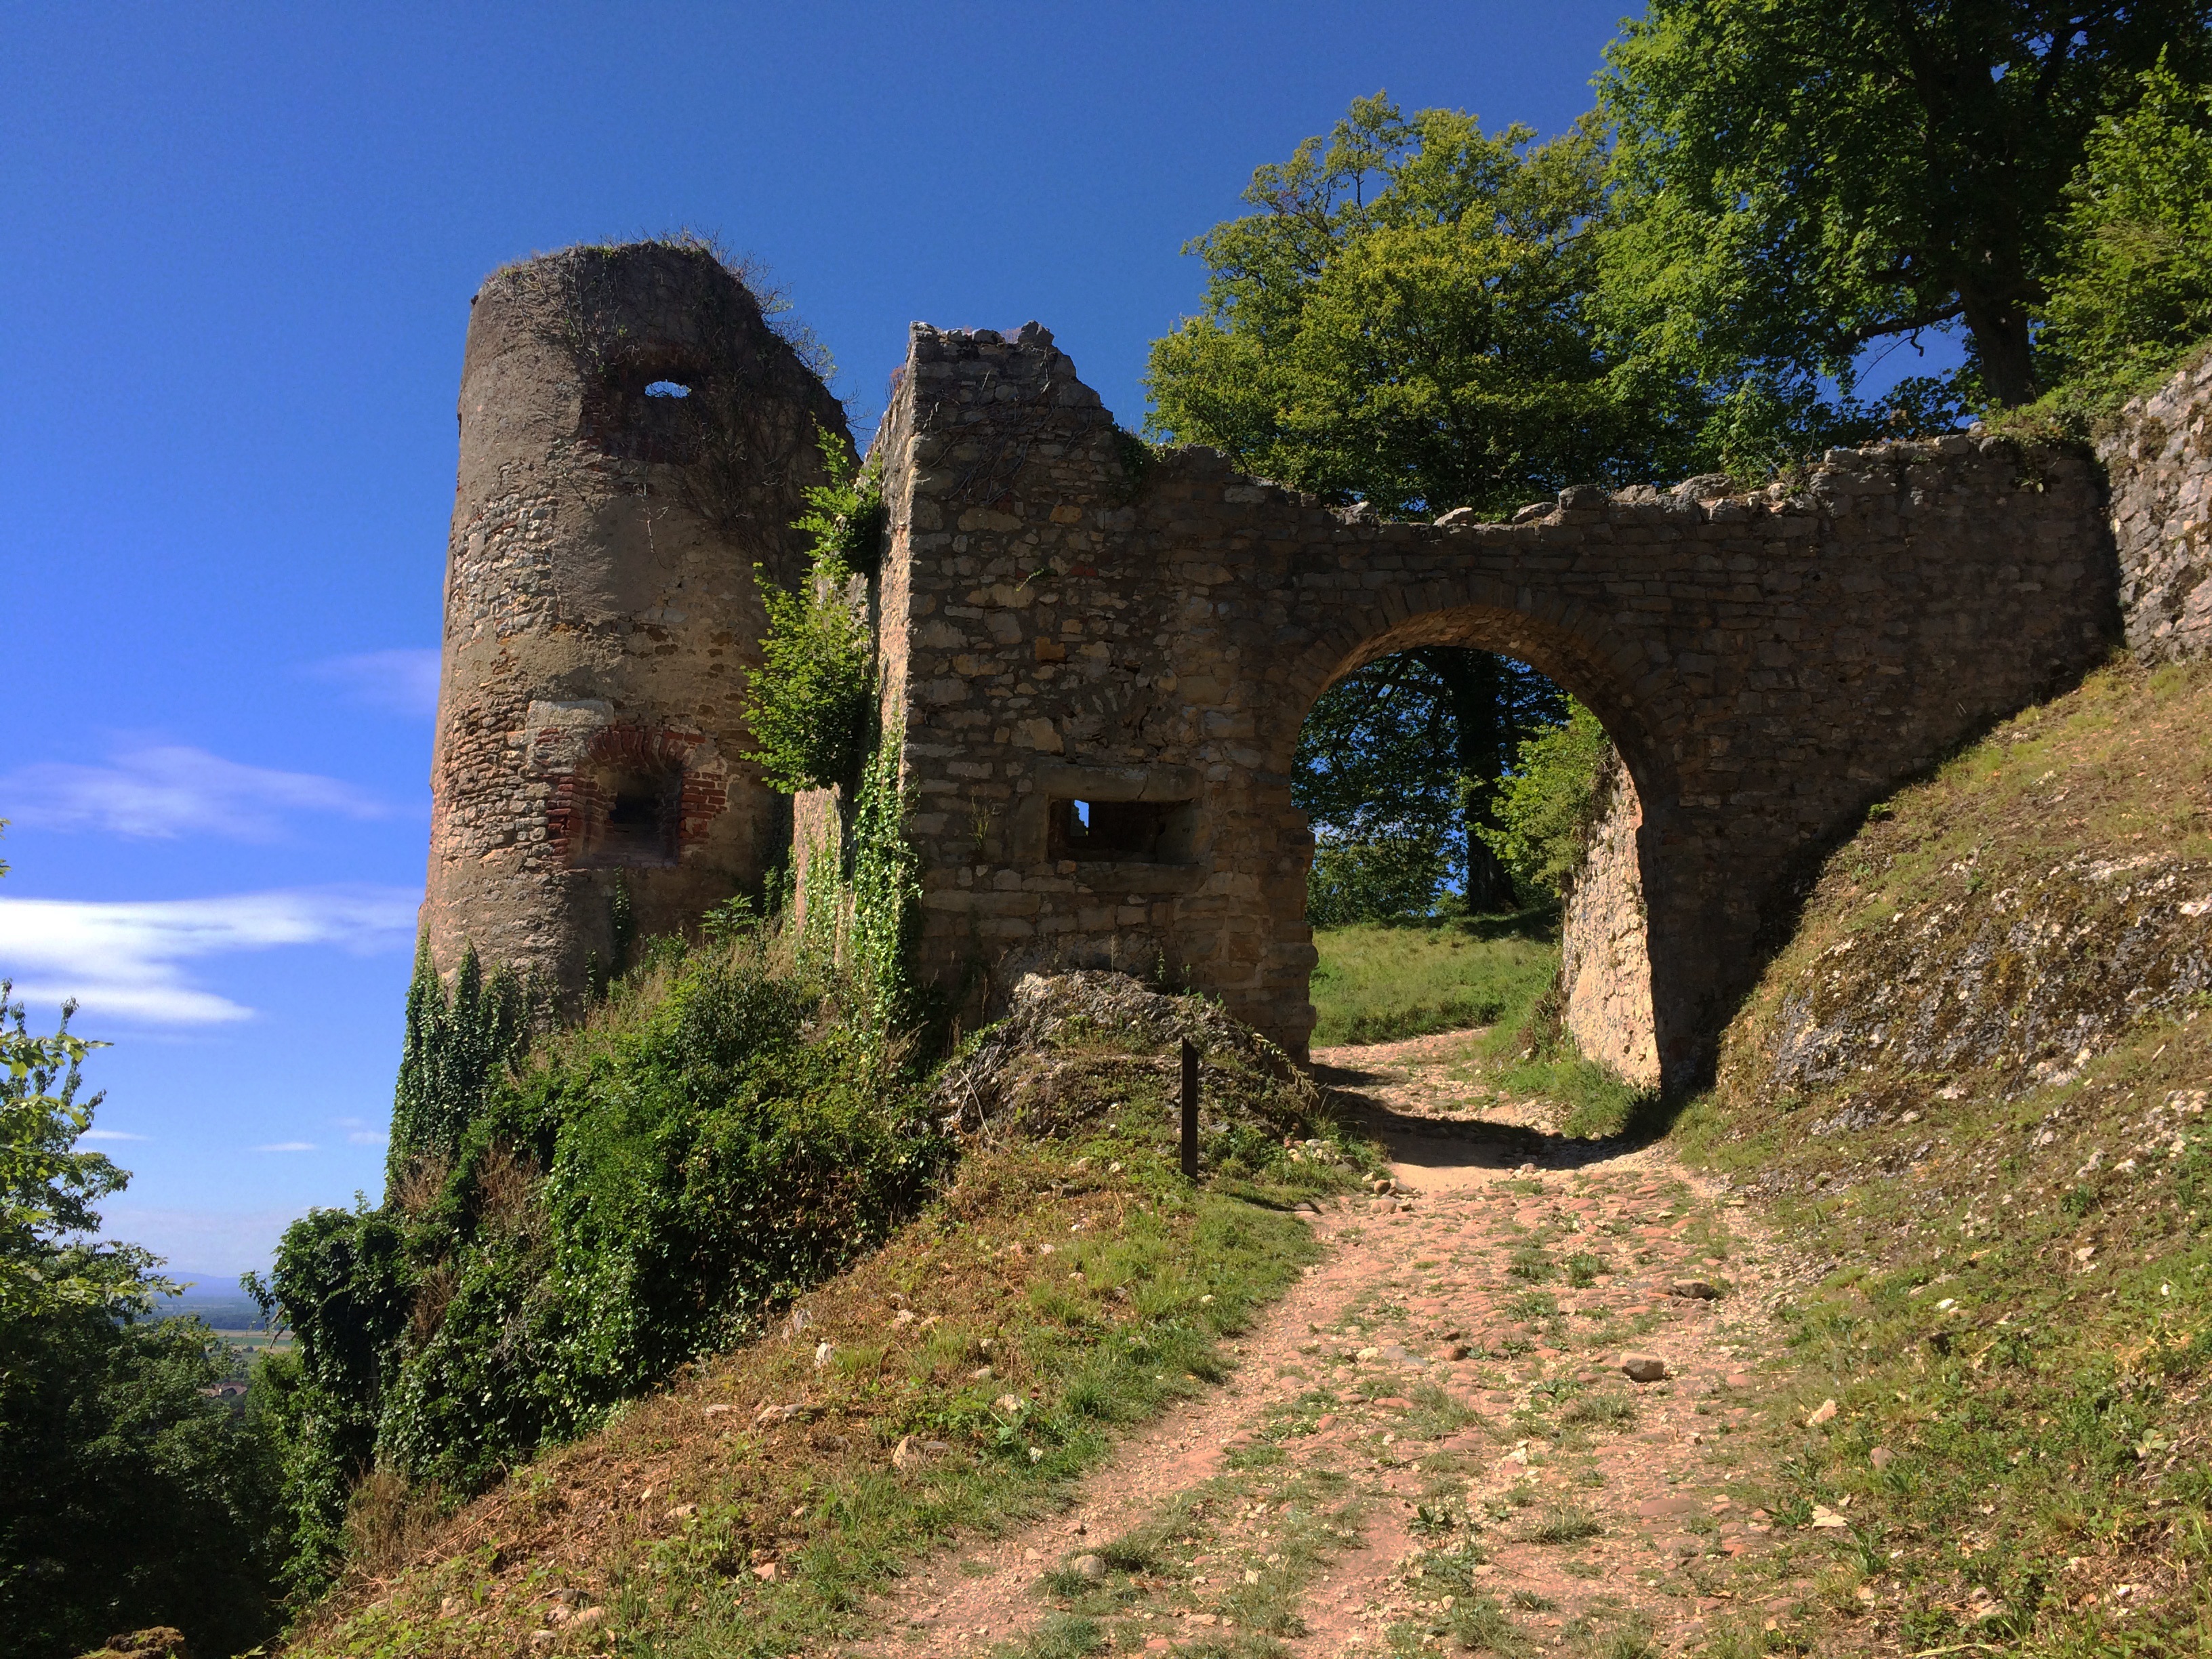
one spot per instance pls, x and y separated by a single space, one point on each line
1124 832
667 389
636 821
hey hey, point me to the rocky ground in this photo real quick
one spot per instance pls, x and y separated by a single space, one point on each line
1507 1411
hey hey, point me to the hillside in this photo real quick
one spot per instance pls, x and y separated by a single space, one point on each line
1972 1088
1062 1283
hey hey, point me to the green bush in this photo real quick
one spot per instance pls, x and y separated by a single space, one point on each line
721 1134
1545 804
453 1049
812 704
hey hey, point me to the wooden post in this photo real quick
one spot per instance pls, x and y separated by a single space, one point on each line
1189 1110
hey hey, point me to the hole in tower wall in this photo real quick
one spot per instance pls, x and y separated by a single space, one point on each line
630 820
651 405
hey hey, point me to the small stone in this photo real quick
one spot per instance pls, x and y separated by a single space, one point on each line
1456 1351
1644 1368
1089 1567
1694 1289
1823 1413
766 1572
1882 1457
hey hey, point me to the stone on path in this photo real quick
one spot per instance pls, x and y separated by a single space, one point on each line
1644 1368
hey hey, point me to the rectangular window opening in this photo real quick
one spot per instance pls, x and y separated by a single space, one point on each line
1124 832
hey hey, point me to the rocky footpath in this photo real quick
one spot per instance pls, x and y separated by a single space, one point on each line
1514 1405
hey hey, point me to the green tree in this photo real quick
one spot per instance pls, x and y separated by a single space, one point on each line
127 1498
2134 288
1406 320
1545 804
1795 181
1399 758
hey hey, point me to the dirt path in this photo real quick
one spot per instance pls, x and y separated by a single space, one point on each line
1432 1438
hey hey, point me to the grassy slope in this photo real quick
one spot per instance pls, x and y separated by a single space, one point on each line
1059 1290
1377 984
1973 1087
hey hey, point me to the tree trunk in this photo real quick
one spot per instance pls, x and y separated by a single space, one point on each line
2001 341
1481 733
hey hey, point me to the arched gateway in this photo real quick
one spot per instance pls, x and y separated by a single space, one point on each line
1101 659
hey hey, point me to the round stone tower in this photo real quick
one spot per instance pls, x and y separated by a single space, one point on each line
633 440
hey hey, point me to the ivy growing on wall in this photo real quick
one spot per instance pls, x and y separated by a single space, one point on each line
886 892
811 703
812 706
453 1049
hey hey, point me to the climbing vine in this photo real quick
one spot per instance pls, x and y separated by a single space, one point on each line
886 896
812 706
811 703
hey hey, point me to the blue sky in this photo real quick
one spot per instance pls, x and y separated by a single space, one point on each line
230 337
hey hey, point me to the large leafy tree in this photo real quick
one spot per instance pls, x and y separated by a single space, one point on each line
1795 181
1406 319
127 1498
2134 287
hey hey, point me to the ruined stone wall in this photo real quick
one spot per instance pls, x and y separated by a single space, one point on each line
1605 960
2160 461
600 606
1070 619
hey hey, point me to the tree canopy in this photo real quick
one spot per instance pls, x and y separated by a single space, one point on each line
1792 182
1406 320
127 1498
2134 287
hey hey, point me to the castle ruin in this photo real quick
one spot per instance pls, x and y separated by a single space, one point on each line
1096 659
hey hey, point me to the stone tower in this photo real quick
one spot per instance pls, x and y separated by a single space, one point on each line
633 439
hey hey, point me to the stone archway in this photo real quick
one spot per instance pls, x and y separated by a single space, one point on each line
1069 618
1606 965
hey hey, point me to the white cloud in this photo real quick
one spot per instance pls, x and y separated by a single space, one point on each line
109 1134
402 681
287 1146
125 960
165 790
366 1137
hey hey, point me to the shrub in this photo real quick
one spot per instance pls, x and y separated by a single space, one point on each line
720 1134
1545 804
812 704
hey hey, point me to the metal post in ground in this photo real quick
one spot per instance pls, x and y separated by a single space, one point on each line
1189 1110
